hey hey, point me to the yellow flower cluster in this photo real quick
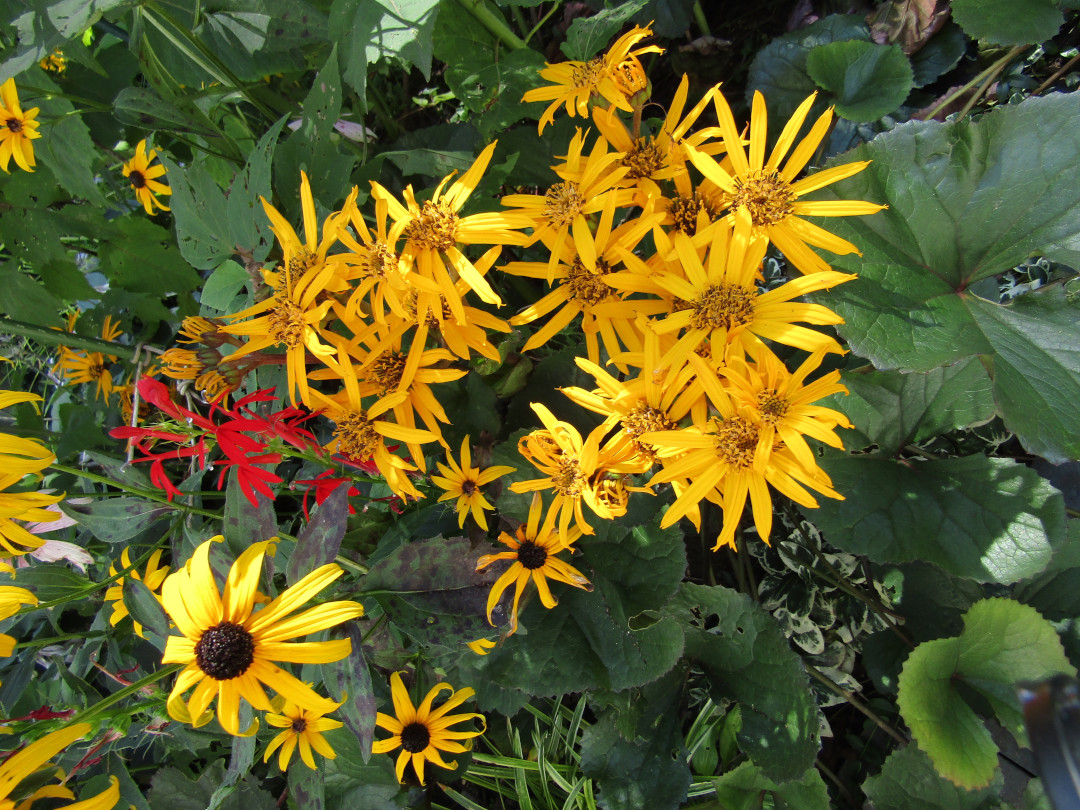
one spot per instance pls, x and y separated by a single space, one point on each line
20 457
78 366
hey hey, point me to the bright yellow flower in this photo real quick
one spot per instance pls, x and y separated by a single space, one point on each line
17 130
434 229
144 178
302 726
20 457
77 366
721 303
771 195
482 646
423 732
533 552
615 76
205 366
54 62
464 482
33 757
228 648
152 578
12 599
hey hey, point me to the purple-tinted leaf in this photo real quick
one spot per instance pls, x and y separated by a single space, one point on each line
116 520
350 680
320 540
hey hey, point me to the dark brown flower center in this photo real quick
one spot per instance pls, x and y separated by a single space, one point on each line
225 651
531 556
299 725
415 737
136 177
468 487
14 124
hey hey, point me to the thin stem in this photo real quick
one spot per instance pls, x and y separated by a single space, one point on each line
493 23
57 337
1057 75
832 777
127 691
44 642
544 19
854 701
993 70
699 19
150 496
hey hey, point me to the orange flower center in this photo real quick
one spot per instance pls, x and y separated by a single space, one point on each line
723 306
298 265
587 287
767 196
434 228
287 323
568 479
386 371
773 407
645 158
356 435
643 418
588 74
562 203
735 441
685 210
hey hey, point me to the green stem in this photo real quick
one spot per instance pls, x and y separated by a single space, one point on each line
493 23
150 496
43 642
127 691
544 19
699 18
57 337
990 72
855 702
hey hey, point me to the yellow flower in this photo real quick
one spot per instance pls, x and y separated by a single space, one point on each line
434 229
771 195
533 553
422 732
17 129
55 62
721 304
482 646
144 179
11 600
615 76
228 647
152 578
34 756
302 726
726 461
20 457
464 481
205 366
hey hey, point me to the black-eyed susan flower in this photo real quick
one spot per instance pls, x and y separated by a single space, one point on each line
771 194
77 366
464 481
228 647
533 553
152 577
422 732
145 179
303 728
12 599
614 76
17 129
34 756
54 62
20 457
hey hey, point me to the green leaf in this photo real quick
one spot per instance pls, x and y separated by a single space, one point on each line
366 32
350 680
744 787
320 539
1055 593
138 245
1003 642
648 767
1008 22
51 582
747 659
953 219
200 212
24 299
892 410
65 145
171 789
249 227
939 55
224 283
312 148
587 36
116 520
779 69
1036 367
669 18
246 523
986 519
431 590
868 80
350 783
40 29
306 788
908 781
145 609
143 108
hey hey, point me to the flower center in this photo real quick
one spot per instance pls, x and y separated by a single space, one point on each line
767 196
378 260
298 265
588 74
568 479
531 556
386 371
586 287
735 441
96 370
562 203
723 306
643 418
434 228
356 435
644 159
415 737
136 177
287 323
612 493
685 210
299 725
14 124
468 487
225 651
773 407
